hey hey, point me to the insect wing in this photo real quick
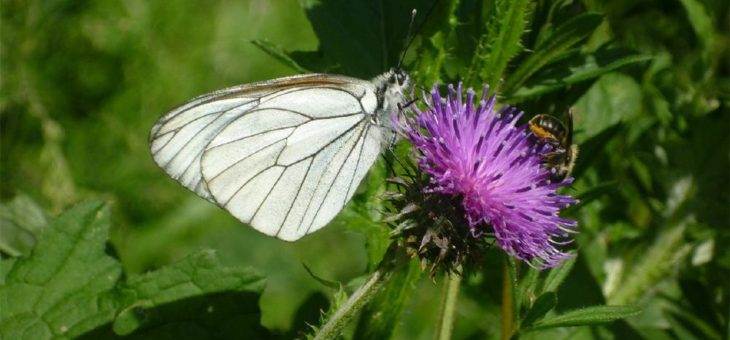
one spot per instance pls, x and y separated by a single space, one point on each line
284 156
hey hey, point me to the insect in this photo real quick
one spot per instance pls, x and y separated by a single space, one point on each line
283 155
550 130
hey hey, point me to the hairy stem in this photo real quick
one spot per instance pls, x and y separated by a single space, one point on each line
448 306
334 325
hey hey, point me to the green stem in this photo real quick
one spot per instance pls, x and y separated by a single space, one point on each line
448 306
509 279
334 325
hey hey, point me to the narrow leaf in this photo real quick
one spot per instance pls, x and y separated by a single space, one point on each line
591 195
507 43
545 303
577 69
552 48
556 276
279 54
528 286
324 282
588 316
701 22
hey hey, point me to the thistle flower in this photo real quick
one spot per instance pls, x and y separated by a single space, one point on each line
494 167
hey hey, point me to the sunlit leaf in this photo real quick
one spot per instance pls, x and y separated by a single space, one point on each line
588 316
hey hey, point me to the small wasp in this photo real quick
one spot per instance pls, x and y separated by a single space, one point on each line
550 130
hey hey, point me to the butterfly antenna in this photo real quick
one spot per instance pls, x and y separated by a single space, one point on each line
411 35
409 39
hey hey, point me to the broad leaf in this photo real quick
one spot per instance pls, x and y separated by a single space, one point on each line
21 222
69 287
64 288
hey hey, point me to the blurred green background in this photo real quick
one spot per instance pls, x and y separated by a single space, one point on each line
82 83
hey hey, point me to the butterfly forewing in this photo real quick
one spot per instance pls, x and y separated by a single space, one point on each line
284 156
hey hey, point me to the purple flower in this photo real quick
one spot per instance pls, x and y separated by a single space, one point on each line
480 155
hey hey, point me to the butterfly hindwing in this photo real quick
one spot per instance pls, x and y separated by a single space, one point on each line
284 156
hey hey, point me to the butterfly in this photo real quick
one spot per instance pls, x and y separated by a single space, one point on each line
283 155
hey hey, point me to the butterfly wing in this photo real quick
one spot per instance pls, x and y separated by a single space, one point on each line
284 156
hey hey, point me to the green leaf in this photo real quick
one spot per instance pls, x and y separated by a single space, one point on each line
69 287
588 316
556 276
195 276
21 222
64 288
545 303
324 282
653 266
364 37
590 195
565 36
614 98
434 54
507 42
380 317
576 69
279 54
701 23
592 148
528 286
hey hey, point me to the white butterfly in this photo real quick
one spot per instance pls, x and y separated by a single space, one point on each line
283 155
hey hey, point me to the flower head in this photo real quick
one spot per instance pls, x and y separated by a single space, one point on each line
494 166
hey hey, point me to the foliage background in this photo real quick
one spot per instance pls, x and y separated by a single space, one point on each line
83 82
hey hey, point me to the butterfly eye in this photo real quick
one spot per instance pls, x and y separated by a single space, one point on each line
401 77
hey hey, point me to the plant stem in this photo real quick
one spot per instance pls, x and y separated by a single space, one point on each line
508 299
334 325
448 306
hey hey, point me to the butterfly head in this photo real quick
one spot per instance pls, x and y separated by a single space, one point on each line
392 87
398 77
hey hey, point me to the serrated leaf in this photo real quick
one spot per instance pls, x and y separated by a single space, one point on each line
69 287
195 276
63 288
588 316
547 51
576 69
21 221
279 54
545 303
507 43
